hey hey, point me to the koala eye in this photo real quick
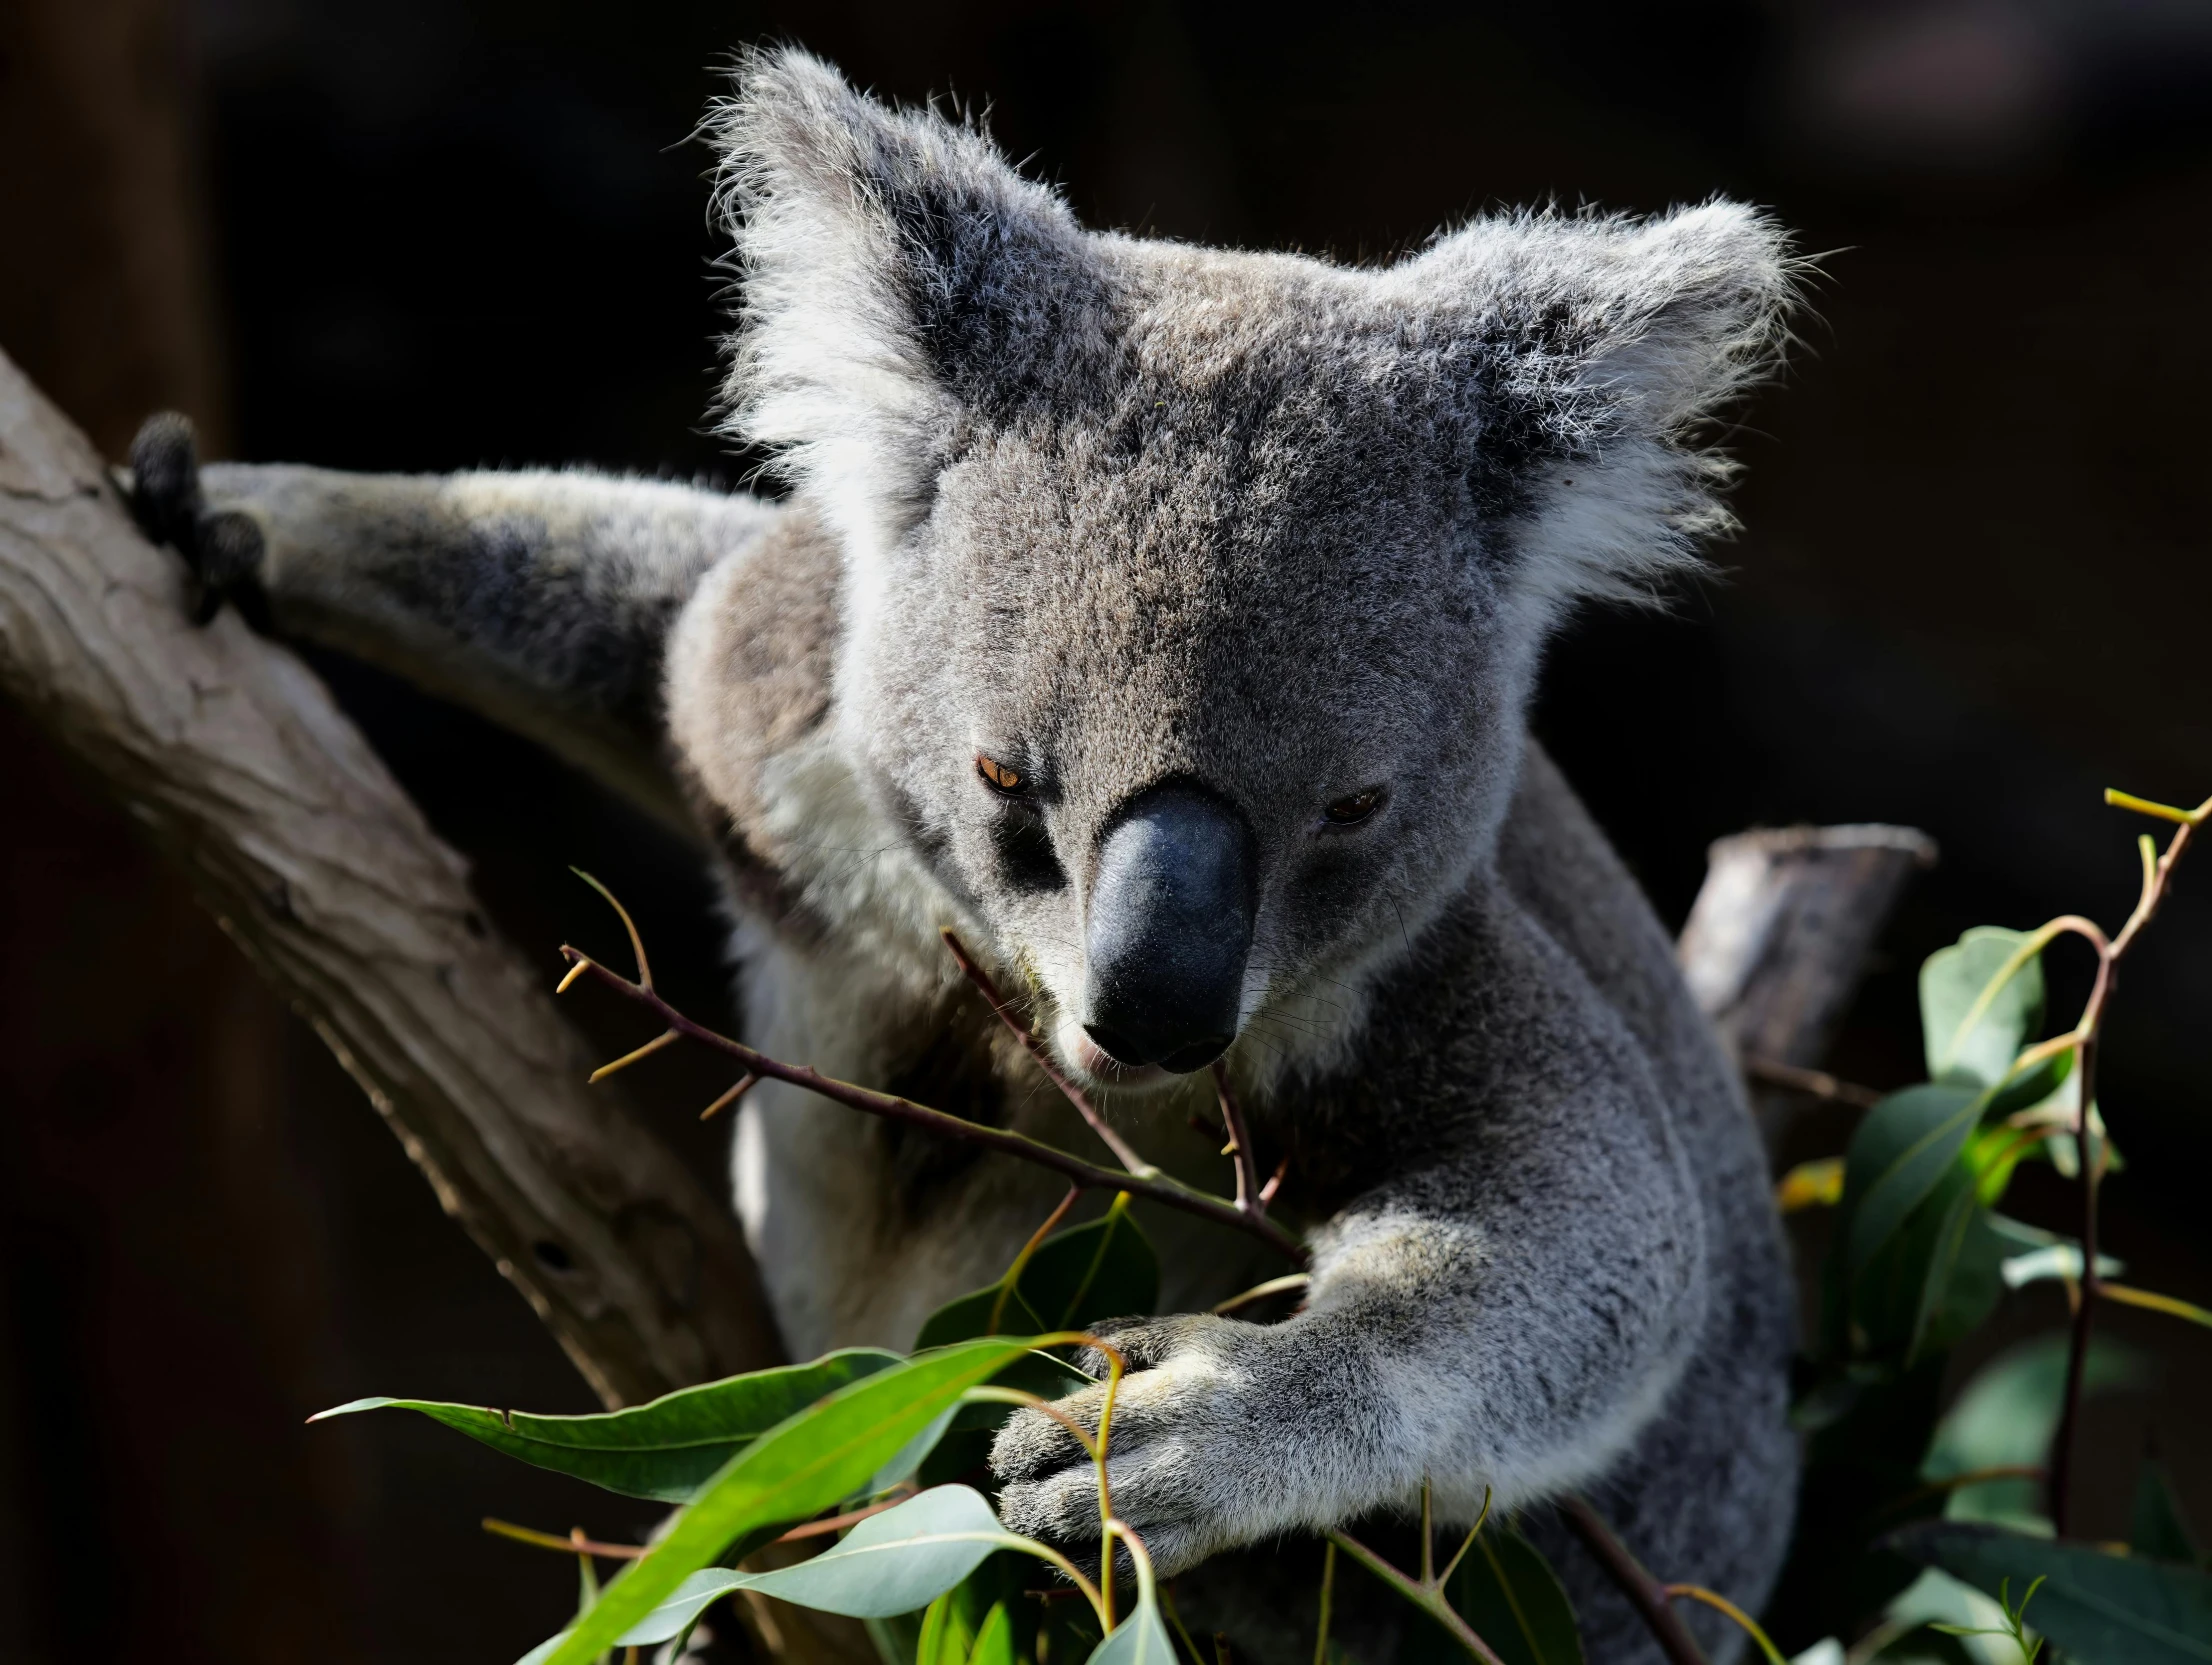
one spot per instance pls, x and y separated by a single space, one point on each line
998 777
1350 811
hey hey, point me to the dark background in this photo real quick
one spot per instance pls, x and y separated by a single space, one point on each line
425 234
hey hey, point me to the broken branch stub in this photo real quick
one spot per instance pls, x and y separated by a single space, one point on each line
1779 936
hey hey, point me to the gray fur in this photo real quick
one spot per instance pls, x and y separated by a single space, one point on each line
1117 512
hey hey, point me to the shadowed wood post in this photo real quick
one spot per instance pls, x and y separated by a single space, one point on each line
236 762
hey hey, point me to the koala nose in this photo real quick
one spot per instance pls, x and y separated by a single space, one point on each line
1170 925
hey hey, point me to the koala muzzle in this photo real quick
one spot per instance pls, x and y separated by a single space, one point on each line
1170 926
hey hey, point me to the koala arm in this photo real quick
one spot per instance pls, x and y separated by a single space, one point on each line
541 600
1507 1315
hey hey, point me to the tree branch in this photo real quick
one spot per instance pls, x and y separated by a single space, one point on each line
1090 1176
237 763
1778 939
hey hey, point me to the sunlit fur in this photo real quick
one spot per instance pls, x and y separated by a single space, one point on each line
1111 512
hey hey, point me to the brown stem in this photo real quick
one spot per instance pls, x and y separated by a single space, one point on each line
1812 1083
2077 1346
1156 1186
1644 1592
1252 1197
1042 1055
1429 1600
2157 874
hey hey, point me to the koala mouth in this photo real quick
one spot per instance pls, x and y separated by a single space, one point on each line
1102 1066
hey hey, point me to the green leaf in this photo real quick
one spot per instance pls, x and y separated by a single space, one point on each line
1511 1598
1977 1009
945 1639
2157 1527
798 1468
1100 1270
682 1609
898 1561
2107 1609
994 1643
1140 1639
2005 1417
664 1450
1960 1260
1900 1153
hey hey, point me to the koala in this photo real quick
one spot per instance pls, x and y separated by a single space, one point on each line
1165 620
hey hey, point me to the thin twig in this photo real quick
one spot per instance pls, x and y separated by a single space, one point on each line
1010 1280
1158 1187
1744 1621
1252 1198
851 1517
2157 880
745 1084
570 1545
1812 1083
1644 1592
1428 1600
1328 1601
1261 1291
1043 1058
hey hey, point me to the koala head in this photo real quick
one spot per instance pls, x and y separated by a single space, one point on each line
1194 597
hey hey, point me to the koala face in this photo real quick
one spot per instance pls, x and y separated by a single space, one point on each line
1194 597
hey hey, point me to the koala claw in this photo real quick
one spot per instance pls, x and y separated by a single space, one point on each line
1185 1446
223 548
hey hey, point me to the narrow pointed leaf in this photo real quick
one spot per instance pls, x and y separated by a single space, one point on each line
994 1643
664 1450
682 1609
798 1468
1140 1639
1973 1018
2094 1606
2156 1527
1103 1269
1511 1598
898 1561
1899 1154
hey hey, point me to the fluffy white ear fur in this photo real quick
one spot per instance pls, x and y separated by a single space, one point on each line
873 245
1619 340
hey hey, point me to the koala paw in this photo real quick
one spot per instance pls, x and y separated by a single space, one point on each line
1192 1452
223 548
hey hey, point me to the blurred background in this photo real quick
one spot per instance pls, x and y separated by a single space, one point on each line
426 234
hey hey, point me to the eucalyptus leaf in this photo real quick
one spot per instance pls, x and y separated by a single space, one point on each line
2005 1417
1511 1598
994 1643
945 1638
898 1561
1961 1269
663 1450
1977 1009
1899 1154
682 1609
2156 1526
796 1469
1103 1269
2103 1608
1140 1639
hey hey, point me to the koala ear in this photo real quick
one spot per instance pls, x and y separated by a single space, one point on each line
1601 349
897 275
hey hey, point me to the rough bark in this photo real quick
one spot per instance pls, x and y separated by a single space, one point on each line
235 761
1779 936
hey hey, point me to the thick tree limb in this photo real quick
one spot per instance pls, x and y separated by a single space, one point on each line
1778 939
234 758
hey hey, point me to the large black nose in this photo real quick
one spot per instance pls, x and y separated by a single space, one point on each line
1170 925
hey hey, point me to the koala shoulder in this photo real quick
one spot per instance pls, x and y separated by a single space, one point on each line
751 663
